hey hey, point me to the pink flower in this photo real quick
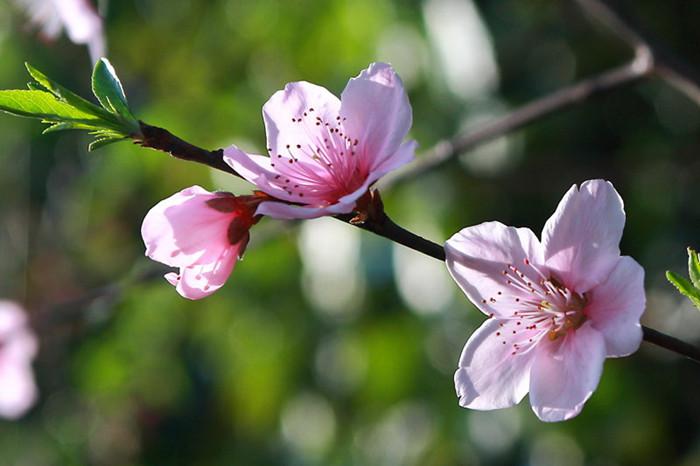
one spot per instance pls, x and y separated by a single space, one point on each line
558 308
18 346
325 153
202 233
79 18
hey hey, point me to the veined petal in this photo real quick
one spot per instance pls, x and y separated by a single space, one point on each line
291 116
491 373
616 305
405 154
377 110
200 280
481 260
258 170
182 229
292 212
565 373
581 239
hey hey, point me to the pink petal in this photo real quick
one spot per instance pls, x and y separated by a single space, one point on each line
182 229
377 110
80 19
616 306
18 346
200 280
581 239
292 103
490 376
404 155
565 373
291 212
479 256
258 170
18 391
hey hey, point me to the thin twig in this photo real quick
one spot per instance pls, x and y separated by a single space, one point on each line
665 64
535 110
650 58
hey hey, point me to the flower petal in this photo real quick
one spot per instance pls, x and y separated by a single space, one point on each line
201 280
258 170
565 373
291 116
581 239
18 390
480 258
405 154
616 306
490 376
377 110
182 229
291 212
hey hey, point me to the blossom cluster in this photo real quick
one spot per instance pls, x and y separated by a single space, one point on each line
556 308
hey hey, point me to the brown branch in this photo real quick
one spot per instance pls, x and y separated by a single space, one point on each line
163 140
650 58
671 343
535 110
665 64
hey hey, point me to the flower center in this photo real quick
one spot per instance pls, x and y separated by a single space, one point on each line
324 165
543 306
547 304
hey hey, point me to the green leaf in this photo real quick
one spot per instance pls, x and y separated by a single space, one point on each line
42 105
694 267
67 125
65 95
101 142
109 91
685 287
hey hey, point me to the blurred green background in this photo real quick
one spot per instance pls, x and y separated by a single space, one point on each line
329 346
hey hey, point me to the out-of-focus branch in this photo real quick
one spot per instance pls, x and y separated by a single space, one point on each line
664 63
650 59
548 105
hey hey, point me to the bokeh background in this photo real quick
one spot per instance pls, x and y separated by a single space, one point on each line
329 346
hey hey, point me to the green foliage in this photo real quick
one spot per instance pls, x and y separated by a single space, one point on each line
62 109
688 288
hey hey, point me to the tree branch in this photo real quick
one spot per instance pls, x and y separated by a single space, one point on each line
665 64
548 105
163 140
671 343
650 58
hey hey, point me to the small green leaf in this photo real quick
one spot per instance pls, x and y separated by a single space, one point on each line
66 125
685 287
65 95
43 105
694 267
109 91
101 142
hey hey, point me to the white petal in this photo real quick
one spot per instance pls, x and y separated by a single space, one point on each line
582 238
478 258
490 375
565 373
616 306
